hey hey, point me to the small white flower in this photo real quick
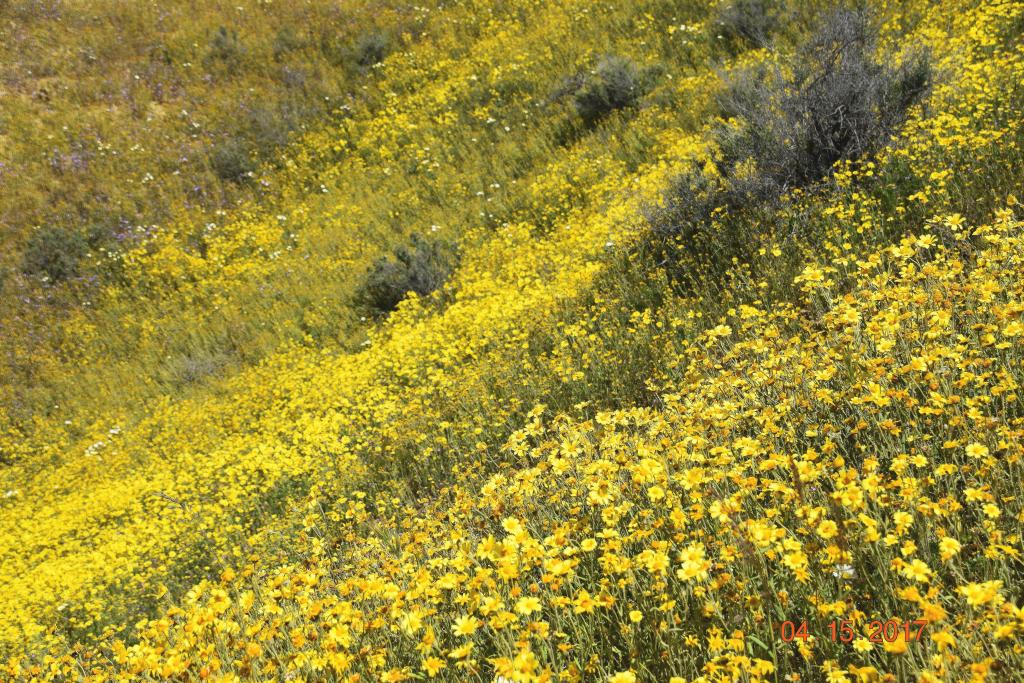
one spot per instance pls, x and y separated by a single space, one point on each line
843 571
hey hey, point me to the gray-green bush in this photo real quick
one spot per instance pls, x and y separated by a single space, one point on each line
616 83
745 23
232 160
789 126
420 266
226 49
838 103
371 48
54 253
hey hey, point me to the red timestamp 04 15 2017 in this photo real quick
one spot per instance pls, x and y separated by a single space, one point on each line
843 631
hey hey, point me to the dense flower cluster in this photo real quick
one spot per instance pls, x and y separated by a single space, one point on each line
559 466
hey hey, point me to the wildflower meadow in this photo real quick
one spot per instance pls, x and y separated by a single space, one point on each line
672 341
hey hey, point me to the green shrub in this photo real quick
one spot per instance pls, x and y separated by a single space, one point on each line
614 84
286 41
225 48
54 253
687 206
371 48
232 160
194 366
745 23
698 218
837 103
269 127
420 266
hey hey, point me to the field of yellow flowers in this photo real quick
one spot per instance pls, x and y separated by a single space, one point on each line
581 458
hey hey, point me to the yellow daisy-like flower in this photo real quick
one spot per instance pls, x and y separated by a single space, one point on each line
948 547
465 626
528 605
828 529
462 651
943 639
976 450
981 593
433 665
896 647
584 603
918 571
862 644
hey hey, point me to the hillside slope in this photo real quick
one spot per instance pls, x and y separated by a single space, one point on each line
589 455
